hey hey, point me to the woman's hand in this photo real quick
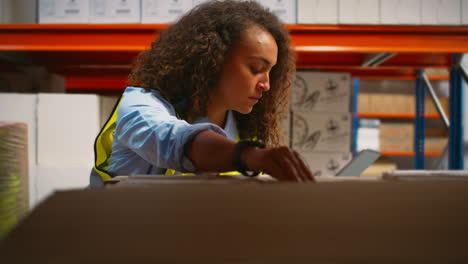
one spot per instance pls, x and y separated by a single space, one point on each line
282 163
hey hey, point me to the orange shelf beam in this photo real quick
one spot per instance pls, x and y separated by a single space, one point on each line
137 37
395 115
410 153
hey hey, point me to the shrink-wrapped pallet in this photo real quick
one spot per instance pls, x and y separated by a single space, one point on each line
14 198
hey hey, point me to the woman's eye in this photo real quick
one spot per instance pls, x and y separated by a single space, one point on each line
255 70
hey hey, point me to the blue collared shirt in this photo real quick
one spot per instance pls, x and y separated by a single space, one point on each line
149 137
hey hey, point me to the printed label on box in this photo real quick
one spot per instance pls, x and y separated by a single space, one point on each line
115 11
160 11
315 91
321 131
63 11
284 9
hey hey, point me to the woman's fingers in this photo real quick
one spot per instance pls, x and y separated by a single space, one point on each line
286 164
304 168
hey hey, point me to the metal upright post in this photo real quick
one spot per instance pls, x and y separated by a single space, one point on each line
456 117
354 111
419 123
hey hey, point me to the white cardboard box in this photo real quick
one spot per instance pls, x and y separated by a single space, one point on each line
164 11
440 12
63 11
400 12
317 12
358 12
321 91
368 138
326 164
115 11
284 9
67 127
321 131
464 12
54 178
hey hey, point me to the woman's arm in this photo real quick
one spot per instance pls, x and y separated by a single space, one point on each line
210 151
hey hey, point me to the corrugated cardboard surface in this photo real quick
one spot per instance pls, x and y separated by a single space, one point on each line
334 222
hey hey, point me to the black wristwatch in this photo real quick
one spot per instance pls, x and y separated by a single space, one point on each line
236 161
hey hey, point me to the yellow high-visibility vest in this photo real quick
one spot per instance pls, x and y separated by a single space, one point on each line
103 148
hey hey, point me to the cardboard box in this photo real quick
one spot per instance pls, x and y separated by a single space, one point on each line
63 11
285 126
329 132
67 126
317 12
430 106
50 179
285 9
440 12
436 132
164 11
328 222
321 91
400 12
382 165
114 11
397 130
326 164
396 137
368 138
363 103
464 12
358 12
435 144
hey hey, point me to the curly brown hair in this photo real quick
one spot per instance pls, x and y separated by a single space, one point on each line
185 63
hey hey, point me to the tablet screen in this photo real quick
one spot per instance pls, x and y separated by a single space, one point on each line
359 163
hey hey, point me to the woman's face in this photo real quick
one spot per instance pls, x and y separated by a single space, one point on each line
245 75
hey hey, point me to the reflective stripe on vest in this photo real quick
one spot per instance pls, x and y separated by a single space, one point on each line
103 148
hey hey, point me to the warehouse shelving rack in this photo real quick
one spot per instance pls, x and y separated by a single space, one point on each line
97 58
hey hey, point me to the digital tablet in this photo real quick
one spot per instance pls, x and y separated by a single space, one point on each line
360 163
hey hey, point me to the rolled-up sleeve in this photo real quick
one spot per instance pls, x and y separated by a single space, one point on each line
147 127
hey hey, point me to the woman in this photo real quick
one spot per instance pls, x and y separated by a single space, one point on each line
221 73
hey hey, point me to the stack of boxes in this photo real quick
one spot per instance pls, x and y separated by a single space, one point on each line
398 136
321 121
85 11
396 103
385 12
360 12
137 11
